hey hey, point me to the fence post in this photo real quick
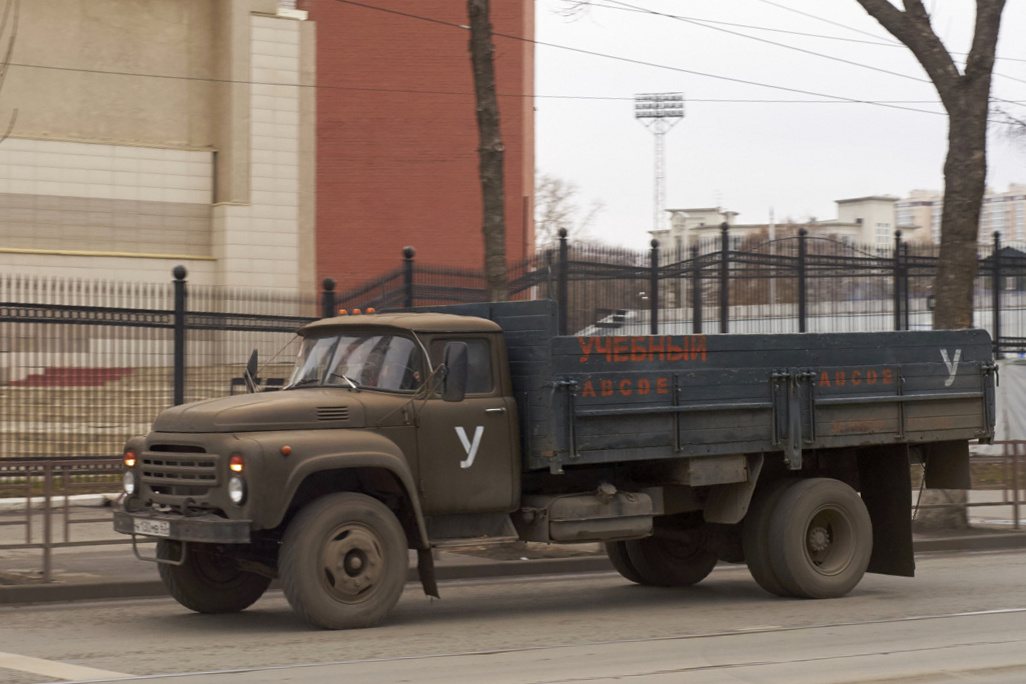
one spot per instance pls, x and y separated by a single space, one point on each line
653 287
408 254
996 293
803 312
561 284
696 292
179 273
724 279
898 281
328 298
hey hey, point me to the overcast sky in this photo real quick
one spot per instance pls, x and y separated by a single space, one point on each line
733 148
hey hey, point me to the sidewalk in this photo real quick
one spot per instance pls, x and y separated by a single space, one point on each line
112 571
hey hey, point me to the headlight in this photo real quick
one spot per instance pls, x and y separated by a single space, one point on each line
237 490
129 482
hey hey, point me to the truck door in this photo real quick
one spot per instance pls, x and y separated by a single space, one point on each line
467 451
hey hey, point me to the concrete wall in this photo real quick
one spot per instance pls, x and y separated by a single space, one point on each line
156 132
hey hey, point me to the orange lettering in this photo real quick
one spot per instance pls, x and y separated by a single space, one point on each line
644 386
871 377
887 376
824 379
839 378
674 353
607 387
656 344
604 345
697 345
620 349
638 351
588 390
625 388
856 377
661 386
586 344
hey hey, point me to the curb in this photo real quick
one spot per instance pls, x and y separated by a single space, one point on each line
25 594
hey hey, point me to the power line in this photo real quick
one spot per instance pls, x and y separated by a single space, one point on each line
699 22
628 60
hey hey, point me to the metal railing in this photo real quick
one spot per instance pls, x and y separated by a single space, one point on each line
47 486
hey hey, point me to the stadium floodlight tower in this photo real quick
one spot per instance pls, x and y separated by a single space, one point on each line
659 112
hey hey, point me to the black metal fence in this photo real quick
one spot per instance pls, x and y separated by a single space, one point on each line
86 364
797 283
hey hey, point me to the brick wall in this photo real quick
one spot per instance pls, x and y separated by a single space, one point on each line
397 135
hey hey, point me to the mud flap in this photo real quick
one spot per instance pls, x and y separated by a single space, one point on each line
947 465
885 484
426 572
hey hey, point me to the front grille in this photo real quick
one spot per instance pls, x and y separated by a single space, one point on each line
332 412
181 474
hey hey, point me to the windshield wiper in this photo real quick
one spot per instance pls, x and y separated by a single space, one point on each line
352 383
303 383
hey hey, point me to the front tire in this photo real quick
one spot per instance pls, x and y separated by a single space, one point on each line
822 538
208 582
343 561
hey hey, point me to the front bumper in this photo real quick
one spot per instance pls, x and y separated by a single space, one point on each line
195 528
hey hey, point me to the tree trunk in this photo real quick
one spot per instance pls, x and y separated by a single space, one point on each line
490 151
966 98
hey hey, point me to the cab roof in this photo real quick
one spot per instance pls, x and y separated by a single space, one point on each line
417 322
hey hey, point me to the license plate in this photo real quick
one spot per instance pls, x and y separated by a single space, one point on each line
152 528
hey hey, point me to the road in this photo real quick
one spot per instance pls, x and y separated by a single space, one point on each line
962 619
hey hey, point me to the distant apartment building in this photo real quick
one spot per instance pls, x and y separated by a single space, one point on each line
158 133
1003 212
863 220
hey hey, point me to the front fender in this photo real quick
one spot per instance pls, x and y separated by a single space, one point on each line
328 450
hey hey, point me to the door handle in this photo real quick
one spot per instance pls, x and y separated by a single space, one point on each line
495 410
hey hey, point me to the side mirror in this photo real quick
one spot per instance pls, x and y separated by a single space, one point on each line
250 374
454 358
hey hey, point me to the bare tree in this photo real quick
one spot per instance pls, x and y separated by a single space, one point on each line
556 207
490 150
966 98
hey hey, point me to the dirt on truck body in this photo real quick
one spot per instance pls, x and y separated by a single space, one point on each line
477 424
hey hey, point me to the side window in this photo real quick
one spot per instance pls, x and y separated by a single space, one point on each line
479 363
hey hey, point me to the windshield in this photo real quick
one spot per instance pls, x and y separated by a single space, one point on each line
379 361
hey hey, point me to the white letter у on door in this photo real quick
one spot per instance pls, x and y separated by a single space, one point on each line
468 446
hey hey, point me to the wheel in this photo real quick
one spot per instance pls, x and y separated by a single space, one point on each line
617 552
665 562
755 536
343 561
821 538
208 582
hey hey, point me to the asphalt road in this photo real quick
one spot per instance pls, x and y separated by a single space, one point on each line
962 619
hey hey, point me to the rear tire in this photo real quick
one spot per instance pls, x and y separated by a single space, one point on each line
822 538
208 582
617 552
669 563
343 561
755 536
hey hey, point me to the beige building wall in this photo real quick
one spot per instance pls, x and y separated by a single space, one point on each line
156 132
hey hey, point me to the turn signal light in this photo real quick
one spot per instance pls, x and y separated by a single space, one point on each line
342 312
235 463
356 312
129 459
371 309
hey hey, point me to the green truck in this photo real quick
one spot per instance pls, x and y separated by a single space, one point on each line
476 424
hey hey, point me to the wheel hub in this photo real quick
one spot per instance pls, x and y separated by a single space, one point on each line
353 563
818 539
